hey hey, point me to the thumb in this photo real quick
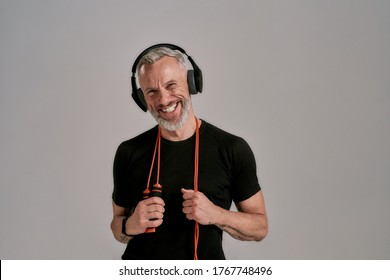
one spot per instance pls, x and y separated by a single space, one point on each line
187 194
183 190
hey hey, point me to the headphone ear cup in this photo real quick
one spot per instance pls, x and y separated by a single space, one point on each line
191 82
138 95
139 99
198 77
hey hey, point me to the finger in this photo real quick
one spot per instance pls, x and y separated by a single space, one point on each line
187 203
155 208
187 194
190 216
154 223
187 210
153 211
154 216
154 200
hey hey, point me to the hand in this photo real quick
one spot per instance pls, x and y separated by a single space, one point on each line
198 207
149 213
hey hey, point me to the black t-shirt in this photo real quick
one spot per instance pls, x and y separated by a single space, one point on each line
227 171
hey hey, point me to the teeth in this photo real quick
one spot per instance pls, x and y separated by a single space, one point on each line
170 109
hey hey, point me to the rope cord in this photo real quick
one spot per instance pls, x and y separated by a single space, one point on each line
196 175
157 150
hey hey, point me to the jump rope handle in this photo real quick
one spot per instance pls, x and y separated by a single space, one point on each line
156 191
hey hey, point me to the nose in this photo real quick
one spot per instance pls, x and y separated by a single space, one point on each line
164 97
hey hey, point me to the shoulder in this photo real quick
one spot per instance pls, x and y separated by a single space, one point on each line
141 138
224 138
138 142
233 148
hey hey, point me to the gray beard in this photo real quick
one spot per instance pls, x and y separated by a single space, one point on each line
173 126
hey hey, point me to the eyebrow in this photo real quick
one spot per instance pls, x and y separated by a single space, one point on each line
150 88
170 82
165 84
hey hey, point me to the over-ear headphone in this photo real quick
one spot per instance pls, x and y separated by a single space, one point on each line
194 77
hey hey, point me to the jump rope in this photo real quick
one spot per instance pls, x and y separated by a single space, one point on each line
156 190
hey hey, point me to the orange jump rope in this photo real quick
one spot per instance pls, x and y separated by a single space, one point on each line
156 190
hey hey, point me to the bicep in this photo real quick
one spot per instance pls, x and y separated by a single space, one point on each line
118 210
253 205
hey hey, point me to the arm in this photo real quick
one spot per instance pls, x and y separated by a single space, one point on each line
249 223
116 224
148 213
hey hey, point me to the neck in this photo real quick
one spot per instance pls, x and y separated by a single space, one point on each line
184 132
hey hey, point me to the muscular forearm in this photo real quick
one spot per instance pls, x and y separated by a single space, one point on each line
147 214
116 227
249 223
242 226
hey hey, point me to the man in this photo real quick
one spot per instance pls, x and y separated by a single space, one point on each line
200 167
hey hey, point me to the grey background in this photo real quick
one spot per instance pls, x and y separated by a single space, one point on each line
306 83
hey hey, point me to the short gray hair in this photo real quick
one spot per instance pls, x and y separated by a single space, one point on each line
155 54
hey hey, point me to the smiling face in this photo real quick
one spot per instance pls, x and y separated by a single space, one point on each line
165 88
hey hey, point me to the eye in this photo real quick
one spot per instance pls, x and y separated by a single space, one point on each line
171 85
151 92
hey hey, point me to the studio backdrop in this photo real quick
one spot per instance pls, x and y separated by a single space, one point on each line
305 83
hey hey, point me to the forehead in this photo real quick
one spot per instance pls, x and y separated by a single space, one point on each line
166 66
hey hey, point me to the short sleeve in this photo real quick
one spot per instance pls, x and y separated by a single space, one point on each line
245 182
119 170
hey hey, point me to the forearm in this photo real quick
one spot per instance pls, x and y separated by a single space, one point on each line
242 226
116 227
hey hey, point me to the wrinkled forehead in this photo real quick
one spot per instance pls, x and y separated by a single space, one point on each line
165 69
166 63
155 55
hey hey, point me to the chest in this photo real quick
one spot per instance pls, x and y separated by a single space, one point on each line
176 171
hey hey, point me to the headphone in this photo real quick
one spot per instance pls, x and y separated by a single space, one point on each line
194 77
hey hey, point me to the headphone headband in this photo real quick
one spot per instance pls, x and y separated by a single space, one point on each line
194 77
139 57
